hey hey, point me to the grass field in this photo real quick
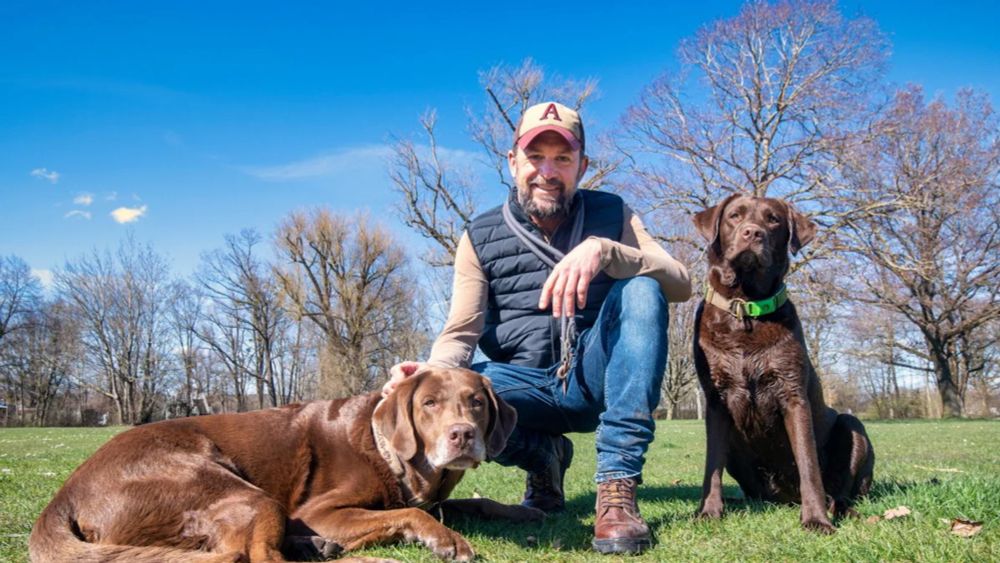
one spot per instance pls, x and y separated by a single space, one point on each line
938 469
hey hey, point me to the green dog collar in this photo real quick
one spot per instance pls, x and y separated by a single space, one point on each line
740 308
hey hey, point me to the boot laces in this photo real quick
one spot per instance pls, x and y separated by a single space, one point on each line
618 493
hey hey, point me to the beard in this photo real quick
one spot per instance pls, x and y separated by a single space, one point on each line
544 209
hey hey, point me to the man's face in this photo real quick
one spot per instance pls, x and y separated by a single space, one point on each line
546 174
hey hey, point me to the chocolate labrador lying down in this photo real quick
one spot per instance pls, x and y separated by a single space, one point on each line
230 487
766 421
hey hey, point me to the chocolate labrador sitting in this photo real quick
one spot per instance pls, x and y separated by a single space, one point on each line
356 472
766 420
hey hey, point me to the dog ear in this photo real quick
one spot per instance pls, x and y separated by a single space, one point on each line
801 230
394 418
503 418
707 222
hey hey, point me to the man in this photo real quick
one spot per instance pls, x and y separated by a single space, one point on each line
566 293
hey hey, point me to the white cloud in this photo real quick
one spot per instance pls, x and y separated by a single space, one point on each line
46 174
323 165
84 199
128 214
78 213
351 160
44 276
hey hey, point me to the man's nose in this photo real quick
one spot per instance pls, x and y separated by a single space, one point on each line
547 169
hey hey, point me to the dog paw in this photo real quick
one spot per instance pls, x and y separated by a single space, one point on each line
451 546
710 511
820 525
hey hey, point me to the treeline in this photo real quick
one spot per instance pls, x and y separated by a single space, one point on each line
898 293
321 310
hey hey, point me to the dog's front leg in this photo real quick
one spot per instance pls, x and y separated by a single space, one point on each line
717 428
491 509
799 426
355 528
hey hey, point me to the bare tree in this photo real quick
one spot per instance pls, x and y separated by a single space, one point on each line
349 278
246 319
20 292
186 313
38 360
438 195
780 87
932 252
120 300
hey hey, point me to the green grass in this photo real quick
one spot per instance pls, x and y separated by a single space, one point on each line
938 469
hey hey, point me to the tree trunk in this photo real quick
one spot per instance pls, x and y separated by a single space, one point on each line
951 399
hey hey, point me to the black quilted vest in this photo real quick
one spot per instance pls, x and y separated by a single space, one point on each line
516 331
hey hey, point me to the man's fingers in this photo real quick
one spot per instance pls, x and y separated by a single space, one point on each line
558 288
569 293
582 285
543 299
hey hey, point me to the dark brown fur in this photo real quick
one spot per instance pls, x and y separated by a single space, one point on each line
229 487
767 423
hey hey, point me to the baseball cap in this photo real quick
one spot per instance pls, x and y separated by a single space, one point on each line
550 116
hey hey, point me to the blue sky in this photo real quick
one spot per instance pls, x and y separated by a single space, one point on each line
199 119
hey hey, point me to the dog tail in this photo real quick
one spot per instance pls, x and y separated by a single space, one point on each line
56 538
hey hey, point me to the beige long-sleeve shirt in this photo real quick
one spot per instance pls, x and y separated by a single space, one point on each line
637 254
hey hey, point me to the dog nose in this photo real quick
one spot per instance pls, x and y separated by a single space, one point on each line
752 232
461 434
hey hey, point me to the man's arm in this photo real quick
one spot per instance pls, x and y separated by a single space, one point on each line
466 318
638 254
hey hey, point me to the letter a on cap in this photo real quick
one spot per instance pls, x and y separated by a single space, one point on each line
551 109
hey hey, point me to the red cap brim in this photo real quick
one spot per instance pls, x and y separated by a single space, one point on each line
526 139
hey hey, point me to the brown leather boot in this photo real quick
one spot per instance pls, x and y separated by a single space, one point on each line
544 490
619 528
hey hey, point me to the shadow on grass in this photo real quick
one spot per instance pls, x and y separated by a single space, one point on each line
572 529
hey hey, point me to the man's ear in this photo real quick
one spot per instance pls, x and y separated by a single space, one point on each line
503 418
801 230
707 222
512 162
584 163
394 418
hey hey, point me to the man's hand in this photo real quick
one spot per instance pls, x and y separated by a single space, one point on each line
566 288
399 372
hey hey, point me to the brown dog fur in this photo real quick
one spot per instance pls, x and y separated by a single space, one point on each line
767 422
229 487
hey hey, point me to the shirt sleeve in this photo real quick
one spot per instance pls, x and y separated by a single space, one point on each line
638 254
467 317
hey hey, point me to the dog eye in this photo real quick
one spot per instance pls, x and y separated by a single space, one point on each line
771 218
476 402
734 215
429 403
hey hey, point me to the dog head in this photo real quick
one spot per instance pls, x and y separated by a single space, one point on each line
450 416
751 238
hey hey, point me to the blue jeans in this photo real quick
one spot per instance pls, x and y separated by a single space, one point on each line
612 387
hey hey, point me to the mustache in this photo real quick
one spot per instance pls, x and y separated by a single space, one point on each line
548 184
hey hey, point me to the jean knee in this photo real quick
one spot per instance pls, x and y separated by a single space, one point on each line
642 298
